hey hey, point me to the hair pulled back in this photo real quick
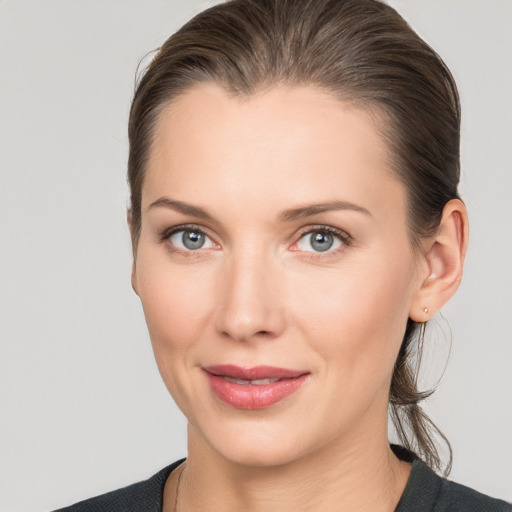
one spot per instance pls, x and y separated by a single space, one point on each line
361 51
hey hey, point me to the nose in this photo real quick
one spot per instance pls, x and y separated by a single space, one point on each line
250 300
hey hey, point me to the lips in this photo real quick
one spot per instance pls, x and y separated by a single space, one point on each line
253 388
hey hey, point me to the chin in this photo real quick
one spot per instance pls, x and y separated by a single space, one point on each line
259 454
257 443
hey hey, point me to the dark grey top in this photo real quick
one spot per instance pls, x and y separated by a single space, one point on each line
425 492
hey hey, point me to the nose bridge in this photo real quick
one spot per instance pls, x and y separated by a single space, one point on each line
249 299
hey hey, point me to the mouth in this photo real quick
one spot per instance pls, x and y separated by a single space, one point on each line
253 388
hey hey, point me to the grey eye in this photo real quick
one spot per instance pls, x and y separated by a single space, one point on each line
190 240
319 241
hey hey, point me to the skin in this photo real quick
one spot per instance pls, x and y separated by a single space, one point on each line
257 293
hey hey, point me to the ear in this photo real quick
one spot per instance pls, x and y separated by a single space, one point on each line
134 278
444 260
134 268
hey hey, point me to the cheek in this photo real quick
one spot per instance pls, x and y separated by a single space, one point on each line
355 317
173 297
177 303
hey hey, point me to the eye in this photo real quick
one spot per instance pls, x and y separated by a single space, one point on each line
190 239
321 240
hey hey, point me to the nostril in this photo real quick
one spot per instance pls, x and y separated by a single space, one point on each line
246 336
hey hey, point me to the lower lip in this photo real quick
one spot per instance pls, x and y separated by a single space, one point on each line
247 396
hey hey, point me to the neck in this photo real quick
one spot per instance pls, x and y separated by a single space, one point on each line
360 474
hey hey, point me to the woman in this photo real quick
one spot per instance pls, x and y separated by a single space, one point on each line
295 222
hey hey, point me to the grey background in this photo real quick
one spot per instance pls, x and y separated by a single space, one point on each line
83 409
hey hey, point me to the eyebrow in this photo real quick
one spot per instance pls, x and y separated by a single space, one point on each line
315 209
180 207
285 216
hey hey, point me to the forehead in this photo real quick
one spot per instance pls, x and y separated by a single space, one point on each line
292 144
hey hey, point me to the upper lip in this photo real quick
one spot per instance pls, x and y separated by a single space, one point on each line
253 373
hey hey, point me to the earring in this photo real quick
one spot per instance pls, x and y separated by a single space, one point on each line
425 310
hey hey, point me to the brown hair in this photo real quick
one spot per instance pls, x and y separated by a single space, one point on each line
361 51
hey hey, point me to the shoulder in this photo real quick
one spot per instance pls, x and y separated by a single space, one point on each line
428 492
146 495
455 497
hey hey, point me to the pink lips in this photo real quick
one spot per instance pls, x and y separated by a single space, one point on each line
253 388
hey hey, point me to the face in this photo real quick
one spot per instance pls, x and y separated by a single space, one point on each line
275 270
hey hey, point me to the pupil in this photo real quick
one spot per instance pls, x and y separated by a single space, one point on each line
193 240
321 241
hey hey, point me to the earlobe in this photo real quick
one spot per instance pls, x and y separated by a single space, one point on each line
134 278
444 258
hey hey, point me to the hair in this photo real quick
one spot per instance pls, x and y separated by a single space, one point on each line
361 51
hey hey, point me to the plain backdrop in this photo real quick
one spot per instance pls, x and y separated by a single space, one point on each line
83 410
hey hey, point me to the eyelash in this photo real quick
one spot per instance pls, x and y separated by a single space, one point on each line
345 239
166 235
